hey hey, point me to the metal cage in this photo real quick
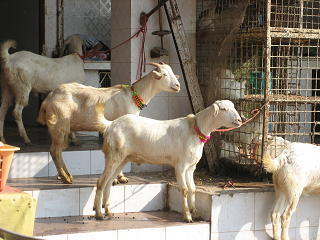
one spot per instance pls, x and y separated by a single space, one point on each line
261 54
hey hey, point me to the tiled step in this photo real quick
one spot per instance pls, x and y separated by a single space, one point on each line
160 225
55 199
40 164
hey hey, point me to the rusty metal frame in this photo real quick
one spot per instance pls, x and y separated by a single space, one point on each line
60 26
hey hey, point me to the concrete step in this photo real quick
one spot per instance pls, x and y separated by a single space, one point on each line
159 225
83 162
40 164
55 199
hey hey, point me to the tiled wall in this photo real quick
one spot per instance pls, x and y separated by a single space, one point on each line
40 164
246 216
79 201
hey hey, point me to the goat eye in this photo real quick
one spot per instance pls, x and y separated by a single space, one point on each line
165 74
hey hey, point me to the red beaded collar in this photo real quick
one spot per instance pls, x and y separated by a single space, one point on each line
135 97
203 138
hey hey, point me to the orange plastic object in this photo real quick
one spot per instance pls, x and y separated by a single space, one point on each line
6 155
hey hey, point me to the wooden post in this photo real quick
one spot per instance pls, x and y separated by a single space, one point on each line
188 68
60 26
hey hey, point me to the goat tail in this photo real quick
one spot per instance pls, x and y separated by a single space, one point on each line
4 49
271 164
101 122
42 116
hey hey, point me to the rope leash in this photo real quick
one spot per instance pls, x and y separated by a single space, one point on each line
142 57
255 113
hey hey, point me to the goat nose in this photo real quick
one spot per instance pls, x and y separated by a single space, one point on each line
177 85
243 119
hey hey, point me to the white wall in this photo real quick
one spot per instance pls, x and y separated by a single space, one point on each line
125 60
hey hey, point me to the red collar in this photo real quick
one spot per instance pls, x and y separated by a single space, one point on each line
82 57
203 138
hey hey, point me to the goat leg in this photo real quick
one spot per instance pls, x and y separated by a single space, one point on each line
181 179
6 101
17 114
73 139
120 179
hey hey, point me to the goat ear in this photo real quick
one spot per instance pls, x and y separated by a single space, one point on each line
215 110
157 74
177 76
221 105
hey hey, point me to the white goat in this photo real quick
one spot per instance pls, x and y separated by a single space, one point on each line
243 136
73 44
228 87
23 72
296 171
71 107
177 143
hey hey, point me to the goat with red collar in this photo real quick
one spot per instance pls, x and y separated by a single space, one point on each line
177 143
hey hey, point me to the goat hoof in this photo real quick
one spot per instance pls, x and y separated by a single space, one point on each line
99 217
115 181
75 143
67 180
108 213
123 179
188 218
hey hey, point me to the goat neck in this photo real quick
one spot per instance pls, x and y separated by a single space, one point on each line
206 120
146 88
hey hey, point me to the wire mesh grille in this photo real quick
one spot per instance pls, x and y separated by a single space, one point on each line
242 58
91 17
105 78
